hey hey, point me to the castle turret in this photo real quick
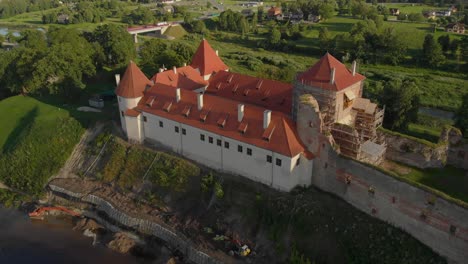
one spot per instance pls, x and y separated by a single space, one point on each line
332 84
207 61
129 91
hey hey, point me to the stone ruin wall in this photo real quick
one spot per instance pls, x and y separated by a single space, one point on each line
451 150
439 223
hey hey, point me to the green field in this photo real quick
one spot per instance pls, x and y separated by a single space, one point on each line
36 138
412 8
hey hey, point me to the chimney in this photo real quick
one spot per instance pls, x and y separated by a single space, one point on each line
161 69
354 67
217 53
266 118
117 79
332 76
185 64
174 69
200 101
240 112
177 91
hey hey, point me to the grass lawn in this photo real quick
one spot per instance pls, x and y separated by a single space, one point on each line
36 138
176 32
450 180
413 8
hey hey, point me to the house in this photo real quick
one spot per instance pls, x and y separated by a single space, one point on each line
444 13
313 18
63 19
296 15
394 11
455 28
273 12
429 14
265 130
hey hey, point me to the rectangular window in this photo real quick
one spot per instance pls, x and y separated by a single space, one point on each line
278 162
161 124
122 113
176 129
210 139
226 144
202 137
218 142
239 148
145 119
269 158
298 161
249 151
184 132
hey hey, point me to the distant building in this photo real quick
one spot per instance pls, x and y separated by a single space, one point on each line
63 19
313 18
394 11
458 28
443 13
274 12
168 9
429 14
295 15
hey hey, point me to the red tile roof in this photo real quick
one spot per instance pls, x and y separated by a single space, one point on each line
319 74
273 95
206 60
133 82
220 116
185 78
132 112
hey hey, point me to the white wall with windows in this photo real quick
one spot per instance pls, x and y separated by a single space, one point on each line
229 155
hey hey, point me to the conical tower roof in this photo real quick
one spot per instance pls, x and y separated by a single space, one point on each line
206 60
133 83
320 73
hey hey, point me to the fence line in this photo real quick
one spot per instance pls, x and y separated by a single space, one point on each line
179 242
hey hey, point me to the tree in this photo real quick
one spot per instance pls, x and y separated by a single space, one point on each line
198 26
274 36
401 99
116 43
461 118
432 52
324 39
184 51
150 52
33 39
444 42
416 17
326 10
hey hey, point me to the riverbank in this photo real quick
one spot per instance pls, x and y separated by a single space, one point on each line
49 241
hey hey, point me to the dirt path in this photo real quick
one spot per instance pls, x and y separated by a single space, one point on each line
76 159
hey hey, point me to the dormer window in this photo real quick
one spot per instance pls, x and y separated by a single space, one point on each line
259 84
203 115
150 101
186 111
167 106
268 133
222 120
246 92
234 90
229 79
242 127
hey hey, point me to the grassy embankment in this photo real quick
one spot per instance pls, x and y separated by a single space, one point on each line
36 138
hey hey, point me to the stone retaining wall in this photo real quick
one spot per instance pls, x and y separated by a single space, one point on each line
177 241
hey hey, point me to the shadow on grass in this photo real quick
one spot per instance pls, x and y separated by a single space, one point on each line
86 119
24 125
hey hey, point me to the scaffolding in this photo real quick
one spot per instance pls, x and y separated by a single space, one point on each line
348 139
368 118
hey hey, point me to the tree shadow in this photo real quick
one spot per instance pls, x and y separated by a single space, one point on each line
24 125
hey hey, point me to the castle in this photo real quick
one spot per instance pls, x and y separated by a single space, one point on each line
265 130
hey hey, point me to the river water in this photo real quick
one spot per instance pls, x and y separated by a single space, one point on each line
53 241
